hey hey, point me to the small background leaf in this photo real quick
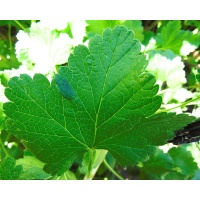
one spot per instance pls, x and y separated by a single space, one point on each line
172 37
158 164
183 160
9 170
32 169
198 75
98 26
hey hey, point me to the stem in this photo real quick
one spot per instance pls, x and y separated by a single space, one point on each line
112 170
89 172
65 177
153 25
4 149
9 36
8 137
96 158
181 105
20 25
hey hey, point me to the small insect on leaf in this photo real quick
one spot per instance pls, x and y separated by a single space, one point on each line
64 87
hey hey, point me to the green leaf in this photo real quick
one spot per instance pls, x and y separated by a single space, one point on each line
174 176
191 79
2 116
9 170
136 27
68 175
25 23
197 175
15 151
183 160
98 26
8 58
158 164
34 173
148 35
198 75
112 106
195 23
173 38
32 169
177 164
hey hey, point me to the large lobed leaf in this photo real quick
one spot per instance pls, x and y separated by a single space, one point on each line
107 102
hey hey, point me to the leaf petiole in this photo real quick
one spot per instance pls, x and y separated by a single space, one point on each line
112 170
10 37
3 148
20 25
179 106
96 158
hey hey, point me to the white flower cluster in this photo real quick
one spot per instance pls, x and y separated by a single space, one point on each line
45 45
167 67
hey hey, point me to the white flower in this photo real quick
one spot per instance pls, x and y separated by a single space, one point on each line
43 47
167 67
78 31
53 24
